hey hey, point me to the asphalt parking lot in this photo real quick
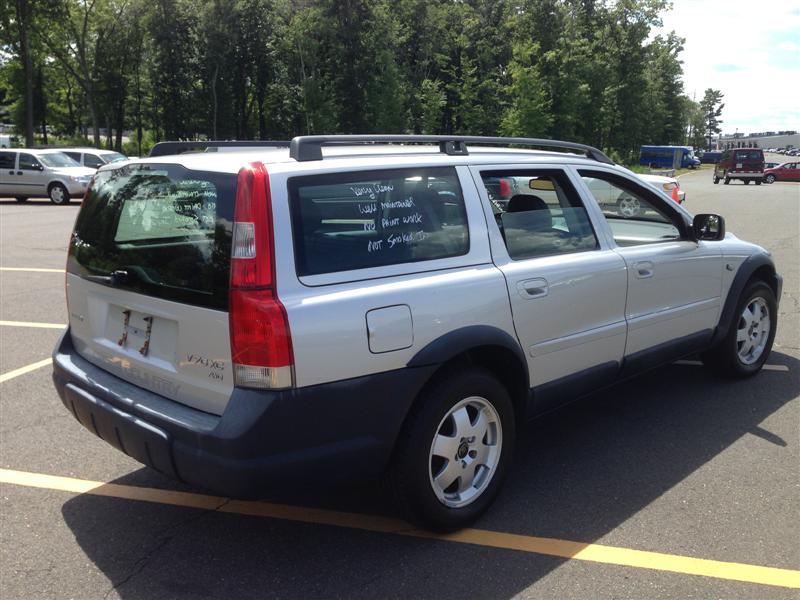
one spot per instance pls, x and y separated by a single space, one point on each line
675 485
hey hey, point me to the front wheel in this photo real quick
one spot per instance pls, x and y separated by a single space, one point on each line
727 180
747 345
58 194
769 178
747 182
716 180
454 451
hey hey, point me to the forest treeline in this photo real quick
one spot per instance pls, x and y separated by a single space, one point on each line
583 70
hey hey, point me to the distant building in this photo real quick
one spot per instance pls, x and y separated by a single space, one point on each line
769 139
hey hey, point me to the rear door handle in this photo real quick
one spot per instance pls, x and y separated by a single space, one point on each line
644 269
533 288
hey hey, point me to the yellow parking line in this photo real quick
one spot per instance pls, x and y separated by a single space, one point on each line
31 270
25 369
29 324
598 553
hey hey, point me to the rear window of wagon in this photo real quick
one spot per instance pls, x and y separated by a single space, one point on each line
167 228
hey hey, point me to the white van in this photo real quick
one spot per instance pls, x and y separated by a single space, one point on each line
26 173
92 157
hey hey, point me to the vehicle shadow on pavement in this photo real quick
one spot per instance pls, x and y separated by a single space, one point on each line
579 473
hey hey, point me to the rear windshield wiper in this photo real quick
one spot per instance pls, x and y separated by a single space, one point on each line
123 276
116 278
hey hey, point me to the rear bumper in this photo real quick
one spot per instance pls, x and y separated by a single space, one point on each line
335 432
744 175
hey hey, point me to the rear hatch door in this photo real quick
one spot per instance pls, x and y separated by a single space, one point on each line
147 280
748 161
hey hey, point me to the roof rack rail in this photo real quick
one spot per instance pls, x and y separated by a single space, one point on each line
309 147
167 148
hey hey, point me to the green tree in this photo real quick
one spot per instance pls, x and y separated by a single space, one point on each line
530 114
711 106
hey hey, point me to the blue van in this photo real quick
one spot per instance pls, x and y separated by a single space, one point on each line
665 157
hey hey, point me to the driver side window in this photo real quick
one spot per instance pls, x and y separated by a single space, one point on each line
633 215
27 162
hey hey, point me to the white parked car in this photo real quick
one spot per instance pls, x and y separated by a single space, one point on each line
92 157
665 184
28 173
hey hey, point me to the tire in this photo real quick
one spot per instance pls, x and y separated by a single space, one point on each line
746 347
442 493
58 194
758 182
727 180
747 182
769 178
629 206
716 180
21 199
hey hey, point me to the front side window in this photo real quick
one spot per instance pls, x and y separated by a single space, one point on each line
27 162
541 215
347 221
634 215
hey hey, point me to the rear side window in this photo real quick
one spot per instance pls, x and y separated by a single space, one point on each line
92 161
7 160
163 229
348 221
542 215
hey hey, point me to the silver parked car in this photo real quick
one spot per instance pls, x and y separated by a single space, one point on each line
347 306
27 173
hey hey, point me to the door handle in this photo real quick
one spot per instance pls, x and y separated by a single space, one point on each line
533 288
644 269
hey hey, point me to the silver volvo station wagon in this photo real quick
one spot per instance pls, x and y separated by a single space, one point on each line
343 307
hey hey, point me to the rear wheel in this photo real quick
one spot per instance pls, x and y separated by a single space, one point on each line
758 182
716 180
769 178
746 347
747 182
454 451
727 180
58 194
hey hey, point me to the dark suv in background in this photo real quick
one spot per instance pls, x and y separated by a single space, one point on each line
746 164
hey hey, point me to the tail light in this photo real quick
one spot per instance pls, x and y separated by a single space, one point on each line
505 189
261 344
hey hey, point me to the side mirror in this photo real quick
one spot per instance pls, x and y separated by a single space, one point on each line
39 167
708 227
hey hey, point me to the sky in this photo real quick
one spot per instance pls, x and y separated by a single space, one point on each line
750 51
